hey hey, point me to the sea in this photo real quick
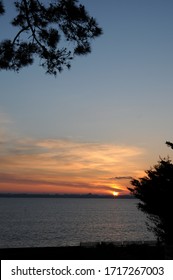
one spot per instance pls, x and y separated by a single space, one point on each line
47 222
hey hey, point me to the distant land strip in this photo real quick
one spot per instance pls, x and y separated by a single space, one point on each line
36 195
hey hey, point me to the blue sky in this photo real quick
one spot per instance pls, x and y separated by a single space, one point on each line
121 94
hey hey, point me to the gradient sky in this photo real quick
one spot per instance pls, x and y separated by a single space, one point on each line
104 121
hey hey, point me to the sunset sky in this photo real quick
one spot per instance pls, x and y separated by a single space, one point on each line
106 120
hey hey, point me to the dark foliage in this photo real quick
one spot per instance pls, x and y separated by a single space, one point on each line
169 144
2 11
44 30
155 191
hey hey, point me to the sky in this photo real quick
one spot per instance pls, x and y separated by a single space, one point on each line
106 120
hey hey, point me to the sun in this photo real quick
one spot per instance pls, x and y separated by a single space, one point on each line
115 193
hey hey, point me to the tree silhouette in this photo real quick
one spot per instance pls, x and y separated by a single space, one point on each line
169 144
55 32
155 191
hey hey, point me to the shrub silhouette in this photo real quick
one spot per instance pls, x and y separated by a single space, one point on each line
155 192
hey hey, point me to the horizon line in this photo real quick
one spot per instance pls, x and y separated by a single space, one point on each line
64 195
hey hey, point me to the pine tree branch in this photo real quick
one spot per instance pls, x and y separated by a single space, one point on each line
18 34
31 27
169 144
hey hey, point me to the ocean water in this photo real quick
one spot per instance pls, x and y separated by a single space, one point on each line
26 222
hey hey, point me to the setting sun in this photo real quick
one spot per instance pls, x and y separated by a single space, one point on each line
115 193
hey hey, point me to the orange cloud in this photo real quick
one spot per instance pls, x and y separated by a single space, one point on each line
65 166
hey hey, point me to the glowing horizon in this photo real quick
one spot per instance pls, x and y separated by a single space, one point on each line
66 166
115 194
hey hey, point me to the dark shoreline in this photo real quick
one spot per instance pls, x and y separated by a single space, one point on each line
36 195
99 251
